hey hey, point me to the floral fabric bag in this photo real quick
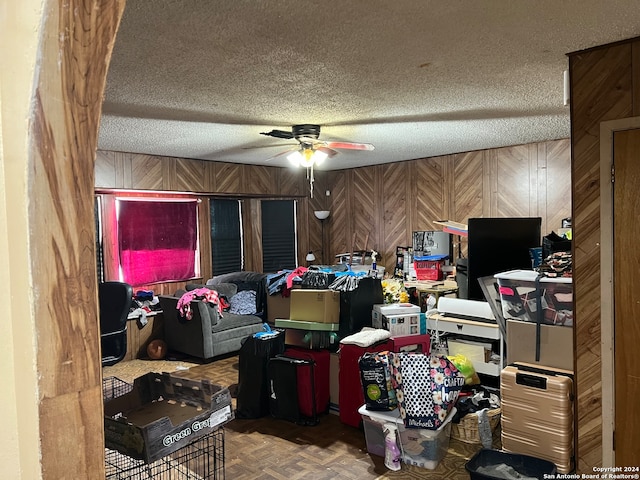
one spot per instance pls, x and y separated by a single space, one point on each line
427 387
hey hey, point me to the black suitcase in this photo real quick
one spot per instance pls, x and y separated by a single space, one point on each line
253 388
285 403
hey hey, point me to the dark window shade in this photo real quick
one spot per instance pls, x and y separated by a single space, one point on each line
158 240
99 245
226 239
278 235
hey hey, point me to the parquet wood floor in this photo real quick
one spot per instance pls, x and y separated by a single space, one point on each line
271 449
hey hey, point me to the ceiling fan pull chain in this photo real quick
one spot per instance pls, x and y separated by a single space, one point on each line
311 180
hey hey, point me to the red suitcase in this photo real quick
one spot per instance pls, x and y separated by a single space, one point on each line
350 395
399 344
284 401
320 386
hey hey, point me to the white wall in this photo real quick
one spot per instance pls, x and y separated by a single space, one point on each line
20 22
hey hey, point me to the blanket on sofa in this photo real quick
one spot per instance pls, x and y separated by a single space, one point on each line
203 294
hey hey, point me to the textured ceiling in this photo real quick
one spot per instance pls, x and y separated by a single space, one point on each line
202 79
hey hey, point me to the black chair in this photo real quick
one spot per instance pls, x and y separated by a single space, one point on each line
115 302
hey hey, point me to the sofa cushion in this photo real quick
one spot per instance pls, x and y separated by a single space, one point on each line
237 277
231 323
227 290
246 281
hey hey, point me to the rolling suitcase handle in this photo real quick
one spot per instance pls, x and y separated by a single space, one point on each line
531 381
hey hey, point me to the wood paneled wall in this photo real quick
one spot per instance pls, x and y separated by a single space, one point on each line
386 203
380 205
129 171
605 85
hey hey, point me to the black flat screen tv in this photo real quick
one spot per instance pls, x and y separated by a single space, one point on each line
498 245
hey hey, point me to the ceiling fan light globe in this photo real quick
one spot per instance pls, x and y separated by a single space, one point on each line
307 157
295 158
319 157
306 163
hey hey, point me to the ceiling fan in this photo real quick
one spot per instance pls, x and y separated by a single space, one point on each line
307 136
311 151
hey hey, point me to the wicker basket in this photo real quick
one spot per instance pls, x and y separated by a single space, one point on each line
467 430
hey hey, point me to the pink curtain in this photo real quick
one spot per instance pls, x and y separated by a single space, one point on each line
157 240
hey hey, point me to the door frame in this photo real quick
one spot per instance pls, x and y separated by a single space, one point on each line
607 332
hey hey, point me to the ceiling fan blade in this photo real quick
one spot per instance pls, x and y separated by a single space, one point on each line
279 145
329 151
278 134
284 152
349 145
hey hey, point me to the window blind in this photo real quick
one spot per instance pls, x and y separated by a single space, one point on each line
278 235
226 236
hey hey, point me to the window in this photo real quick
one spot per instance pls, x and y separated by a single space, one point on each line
157 240
226 236
279 235
97 214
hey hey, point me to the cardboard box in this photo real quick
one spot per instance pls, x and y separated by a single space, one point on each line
315 305
388 309
519 294
403 325
162 414
556 344
277 307
399 318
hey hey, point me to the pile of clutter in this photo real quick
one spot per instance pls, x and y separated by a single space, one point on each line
413 396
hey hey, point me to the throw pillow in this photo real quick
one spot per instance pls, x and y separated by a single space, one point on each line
243 303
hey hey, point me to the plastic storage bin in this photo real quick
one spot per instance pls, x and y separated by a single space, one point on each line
420 447
312 335
373 422
429 267
519 297
485 462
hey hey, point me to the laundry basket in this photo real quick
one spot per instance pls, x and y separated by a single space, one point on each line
468 430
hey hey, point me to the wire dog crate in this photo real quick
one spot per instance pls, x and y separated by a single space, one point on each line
113 387
203 459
